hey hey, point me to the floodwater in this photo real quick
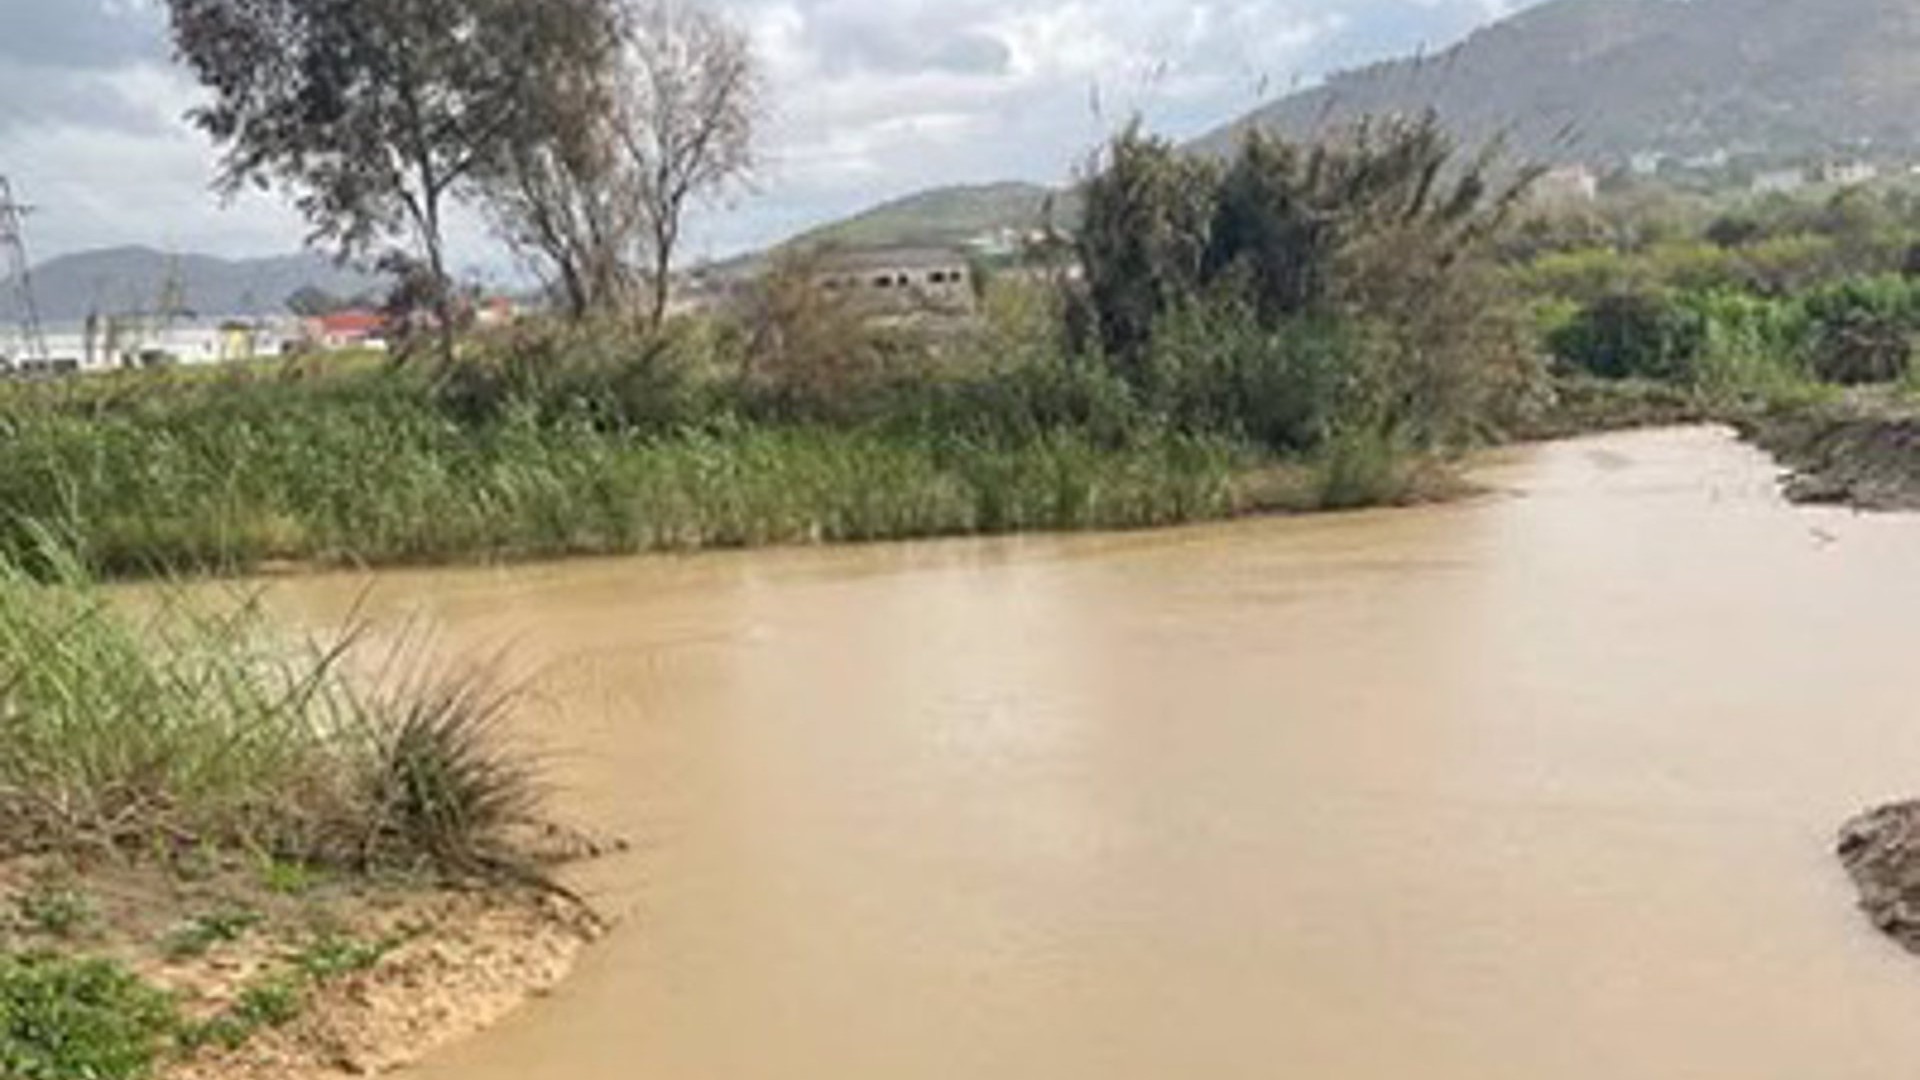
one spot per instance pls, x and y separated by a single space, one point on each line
1540 786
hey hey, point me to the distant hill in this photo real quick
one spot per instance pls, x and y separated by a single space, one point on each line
131 279
1603 80
940 217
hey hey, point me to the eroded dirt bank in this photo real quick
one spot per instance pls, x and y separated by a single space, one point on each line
1861 454
1881 851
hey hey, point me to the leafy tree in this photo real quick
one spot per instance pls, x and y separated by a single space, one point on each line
372 113
1143 239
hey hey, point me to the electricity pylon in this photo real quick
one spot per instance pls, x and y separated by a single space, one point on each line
13 250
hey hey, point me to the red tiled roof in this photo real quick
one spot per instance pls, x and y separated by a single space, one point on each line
352 323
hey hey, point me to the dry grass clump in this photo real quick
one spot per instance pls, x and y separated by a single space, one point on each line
156 725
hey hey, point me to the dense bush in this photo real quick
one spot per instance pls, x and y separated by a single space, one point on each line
1356 261
1215 367
1646 334
1863 329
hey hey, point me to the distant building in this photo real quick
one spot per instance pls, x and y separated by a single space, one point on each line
1848 173
1566 185
1779 181
354 328
900 281
128 343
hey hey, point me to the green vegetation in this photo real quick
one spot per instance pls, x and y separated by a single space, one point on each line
56 910
65 1019
1775 302
200 935
1277 311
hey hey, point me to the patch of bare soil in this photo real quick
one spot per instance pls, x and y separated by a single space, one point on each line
300 977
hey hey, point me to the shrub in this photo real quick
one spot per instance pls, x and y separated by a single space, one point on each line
1634 335
608 374
1381 228
1214 367
1863 328
1754 345
1360 467
443 787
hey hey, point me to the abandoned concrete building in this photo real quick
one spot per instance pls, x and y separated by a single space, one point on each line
900 281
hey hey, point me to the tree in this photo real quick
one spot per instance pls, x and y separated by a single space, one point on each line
312 301
372 113
564 195
686 121
654 112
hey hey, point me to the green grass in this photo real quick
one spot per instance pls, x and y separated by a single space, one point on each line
200 935
368 469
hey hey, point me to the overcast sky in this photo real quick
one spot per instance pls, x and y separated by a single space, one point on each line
870 99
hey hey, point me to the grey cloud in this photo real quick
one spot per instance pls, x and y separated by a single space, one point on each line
33 98
58 59
79 34
847 38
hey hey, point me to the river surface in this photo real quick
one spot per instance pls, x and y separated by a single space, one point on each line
1538 786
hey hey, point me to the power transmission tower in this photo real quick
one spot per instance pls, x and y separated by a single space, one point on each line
13 249
19 269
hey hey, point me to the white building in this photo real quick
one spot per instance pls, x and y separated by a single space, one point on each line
1849 173
1779 181
1566 185
77 349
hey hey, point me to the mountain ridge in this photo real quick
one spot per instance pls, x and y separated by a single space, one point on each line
130 279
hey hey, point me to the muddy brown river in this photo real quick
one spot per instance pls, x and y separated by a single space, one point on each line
1539 786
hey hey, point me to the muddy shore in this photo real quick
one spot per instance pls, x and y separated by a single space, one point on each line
1861 454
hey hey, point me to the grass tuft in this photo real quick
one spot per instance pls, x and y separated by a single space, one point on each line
143 725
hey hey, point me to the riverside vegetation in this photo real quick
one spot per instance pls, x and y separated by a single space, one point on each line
1794 318
1293 329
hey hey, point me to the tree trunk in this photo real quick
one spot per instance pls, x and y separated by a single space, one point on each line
442 295
662 285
